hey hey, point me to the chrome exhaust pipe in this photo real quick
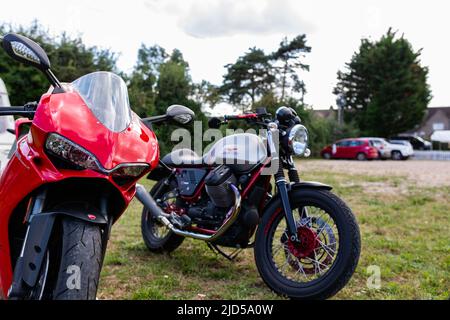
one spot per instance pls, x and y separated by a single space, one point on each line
147 200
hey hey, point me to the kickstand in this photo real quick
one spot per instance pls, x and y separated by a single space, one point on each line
217 250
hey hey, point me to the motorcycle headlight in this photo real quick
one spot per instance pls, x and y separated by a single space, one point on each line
130 170
67 150
298 139
80 158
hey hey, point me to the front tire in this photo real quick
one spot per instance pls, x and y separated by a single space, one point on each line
341 265
81 261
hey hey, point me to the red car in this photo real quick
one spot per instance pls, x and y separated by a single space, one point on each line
358 148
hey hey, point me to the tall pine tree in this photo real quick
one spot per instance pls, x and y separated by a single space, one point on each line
384 86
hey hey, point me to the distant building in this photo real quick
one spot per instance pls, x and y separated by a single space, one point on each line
436 119
326 114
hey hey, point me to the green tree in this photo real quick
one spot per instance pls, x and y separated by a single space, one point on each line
142 81
207 95
70 59
174 83
385 87
287 62
249 78
174 86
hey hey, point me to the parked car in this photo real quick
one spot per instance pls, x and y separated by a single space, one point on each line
395 149
417 142
401 149
384 148
357 148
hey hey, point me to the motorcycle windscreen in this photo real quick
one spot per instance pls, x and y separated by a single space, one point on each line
106 94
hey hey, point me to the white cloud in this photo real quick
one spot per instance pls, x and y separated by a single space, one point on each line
228 18
212 33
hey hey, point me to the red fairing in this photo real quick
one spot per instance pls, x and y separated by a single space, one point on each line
67 114
29 168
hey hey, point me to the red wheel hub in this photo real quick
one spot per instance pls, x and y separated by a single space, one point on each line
308 242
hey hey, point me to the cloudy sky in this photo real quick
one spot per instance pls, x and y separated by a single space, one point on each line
212 33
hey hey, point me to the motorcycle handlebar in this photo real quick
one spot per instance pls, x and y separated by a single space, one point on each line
28 110
259 114
260 117
245 116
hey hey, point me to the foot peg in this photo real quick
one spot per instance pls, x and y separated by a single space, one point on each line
180 222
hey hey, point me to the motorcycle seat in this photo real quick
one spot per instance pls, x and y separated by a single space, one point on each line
182 157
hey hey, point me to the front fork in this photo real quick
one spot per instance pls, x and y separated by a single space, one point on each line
34 245
283 190
281 183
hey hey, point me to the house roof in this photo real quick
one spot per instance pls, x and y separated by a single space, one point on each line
432 111
325 113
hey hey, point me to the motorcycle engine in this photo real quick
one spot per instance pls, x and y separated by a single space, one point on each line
211 212
217 184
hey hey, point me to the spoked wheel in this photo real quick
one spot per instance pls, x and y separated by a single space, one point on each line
314 255
324 258
157 237
158 230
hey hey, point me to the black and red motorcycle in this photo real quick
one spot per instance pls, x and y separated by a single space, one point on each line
306 240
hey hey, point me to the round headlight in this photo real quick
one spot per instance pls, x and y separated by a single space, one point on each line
298 139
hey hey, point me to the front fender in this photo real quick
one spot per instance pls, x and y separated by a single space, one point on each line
299 186
309 185
36 243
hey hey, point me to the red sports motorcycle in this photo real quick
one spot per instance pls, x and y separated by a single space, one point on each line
306 240
72 174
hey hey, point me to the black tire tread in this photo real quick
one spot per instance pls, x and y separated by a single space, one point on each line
81 246
172 242
351 264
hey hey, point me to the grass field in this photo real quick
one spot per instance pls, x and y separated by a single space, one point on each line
405 230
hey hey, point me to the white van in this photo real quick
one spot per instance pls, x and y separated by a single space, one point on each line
6 138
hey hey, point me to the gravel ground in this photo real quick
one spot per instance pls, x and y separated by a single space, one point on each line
431 173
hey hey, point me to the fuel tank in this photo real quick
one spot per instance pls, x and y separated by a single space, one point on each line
242 152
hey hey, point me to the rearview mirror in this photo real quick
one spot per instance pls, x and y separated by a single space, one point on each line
26 51
180 114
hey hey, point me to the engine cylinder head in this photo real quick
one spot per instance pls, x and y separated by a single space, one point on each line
217 184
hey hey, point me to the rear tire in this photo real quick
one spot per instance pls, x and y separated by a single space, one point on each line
81 261
155 243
